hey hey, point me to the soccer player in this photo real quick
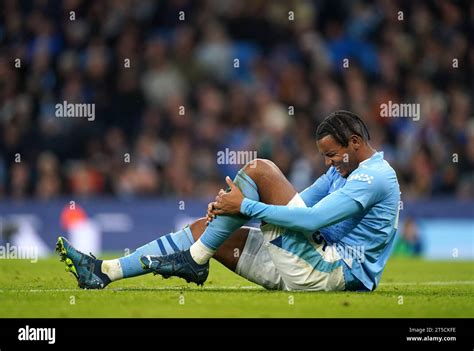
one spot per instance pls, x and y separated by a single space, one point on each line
336 235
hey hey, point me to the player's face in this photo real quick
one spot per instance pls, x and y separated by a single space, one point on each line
342 158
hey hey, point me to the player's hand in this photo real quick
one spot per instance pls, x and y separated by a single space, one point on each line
210 208
227 203
210 215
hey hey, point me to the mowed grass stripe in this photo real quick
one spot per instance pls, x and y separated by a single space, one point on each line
409 288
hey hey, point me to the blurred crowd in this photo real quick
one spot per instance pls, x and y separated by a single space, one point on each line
175 82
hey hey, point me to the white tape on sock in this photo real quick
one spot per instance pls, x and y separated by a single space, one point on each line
200 252
113 269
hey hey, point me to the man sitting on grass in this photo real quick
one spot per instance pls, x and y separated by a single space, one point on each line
336 235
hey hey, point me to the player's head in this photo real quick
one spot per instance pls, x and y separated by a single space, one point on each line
342 137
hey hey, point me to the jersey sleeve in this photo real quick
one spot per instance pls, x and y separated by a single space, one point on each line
318 190
333 208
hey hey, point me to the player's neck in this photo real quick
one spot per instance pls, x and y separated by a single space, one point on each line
366 153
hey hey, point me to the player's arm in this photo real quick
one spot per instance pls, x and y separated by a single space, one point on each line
311 195
361 191
318 190
331 209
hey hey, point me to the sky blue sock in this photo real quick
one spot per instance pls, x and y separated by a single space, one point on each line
222 227
165 245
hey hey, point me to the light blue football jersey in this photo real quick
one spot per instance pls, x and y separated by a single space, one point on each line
365 240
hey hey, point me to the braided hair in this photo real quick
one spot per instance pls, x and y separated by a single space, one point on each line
341 125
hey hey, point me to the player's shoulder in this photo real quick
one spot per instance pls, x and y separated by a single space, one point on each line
375 170
375 165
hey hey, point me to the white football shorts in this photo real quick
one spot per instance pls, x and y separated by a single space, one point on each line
280 259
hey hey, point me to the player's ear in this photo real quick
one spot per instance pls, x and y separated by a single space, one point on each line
355 141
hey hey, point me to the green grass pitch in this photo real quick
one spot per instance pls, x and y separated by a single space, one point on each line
410 288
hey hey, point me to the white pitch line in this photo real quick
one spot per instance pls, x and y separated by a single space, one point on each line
130 289
459 282
250 287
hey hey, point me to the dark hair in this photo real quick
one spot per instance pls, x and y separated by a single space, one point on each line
341 125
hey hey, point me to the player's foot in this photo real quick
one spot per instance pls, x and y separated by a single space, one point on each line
85 268
179 264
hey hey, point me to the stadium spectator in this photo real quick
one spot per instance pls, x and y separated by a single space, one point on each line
141 65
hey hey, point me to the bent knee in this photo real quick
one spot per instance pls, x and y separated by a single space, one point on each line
260 165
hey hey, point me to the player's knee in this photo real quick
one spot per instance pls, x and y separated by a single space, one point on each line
259 166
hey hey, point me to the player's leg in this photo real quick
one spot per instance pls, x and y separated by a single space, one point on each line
130 266
263 174
273 188
244 253
228 254
92 273
260 180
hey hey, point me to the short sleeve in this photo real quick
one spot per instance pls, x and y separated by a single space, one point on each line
366 187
